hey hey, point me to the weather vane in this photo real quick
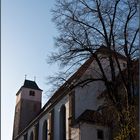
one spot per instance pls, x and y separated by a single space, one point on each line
25 76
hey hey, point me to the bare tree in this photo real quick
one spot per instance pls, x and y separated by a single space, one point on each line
86 25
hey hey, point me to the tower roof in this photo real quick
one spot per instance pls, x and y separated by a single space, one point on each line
30 84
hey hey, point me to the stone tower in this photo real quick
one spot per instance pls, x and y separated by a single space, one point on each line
28 105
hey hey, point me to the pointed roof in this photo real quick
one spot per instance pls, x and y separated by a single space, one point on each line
31 84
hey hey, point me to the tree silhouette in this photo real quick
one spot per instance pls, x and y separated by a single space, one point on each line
90 27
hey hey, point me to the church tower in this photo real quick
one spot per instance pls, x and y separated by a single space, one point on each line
28 105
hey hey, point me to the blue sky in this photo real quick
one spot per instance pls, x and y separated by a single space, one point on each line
26 40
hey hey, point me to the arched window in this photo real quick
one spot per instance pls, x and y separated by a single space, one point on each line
63 123
25 136
31 136
45 130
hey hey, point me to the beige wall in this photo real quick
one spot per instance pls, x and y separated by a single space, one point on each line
63 101
75 133
86 97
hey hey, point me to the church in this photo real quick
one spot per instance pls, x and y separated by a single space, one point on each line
70 114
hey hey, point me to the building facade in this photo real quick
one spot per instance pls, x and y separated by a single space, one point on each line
70 114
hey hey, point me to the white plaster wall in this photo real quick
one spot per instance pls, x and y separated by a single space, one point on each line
108 70
89 132
63 101
86 97
30 130
95 70
41 122
21 138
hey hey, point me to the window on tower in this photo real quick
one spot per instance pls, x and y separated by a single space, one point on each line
32 93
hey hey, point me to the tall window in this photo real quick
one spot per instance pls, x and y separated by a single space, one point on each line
63 123
25 136
45 131
36 130
31 136
100 134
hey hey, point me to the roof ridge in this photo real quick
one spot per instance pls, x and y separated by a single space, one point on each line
31 84
81 70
